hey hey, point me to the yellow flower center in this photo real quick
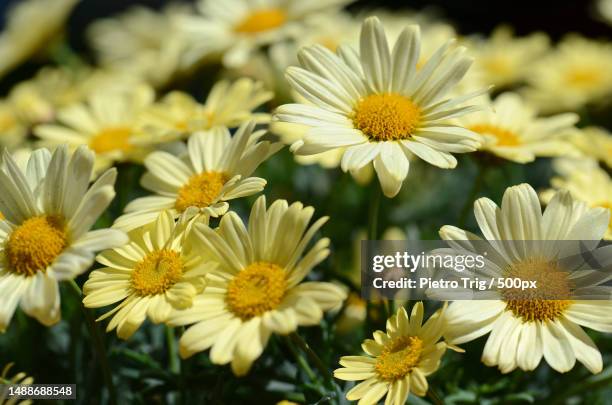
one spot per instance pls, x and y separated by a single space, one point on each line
258 288
200 191
261 20
35 244
157 272
497 65
503 136
111 140
399 357
386 117
541 303
584 77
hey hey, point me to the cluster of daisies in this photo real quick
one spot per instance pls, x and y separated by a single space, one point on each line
371 95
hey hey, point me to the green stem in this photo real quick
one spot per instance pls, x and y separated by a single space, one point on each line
98 341
173 359
431 394
301 360
469 203
373 214
312 356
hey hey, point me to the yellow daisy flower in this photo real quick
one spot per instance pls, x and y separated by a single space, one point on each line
107 123
595 143
237 28
511 129
257 288
228 104
19 378
591 185
577 72
377 107
142 41
216 168
529 326
503 59
158 270
13 130
30 25
398 361
49 209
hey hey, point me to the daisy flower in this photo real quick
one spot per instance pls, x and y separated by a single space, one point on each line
577 72
13 130
237 28
256 288
216 168
157 271
377 107
228 104
591 185
511 129
19 378
19 41
398 361
526 325
595 143
49 209
503 59
107 122
141 40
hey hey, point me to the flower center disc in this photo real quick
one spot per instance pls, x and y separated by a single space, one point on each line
35 244
386 117
111 140
200 191
541 303
258 288
503 136
157 272
261 20
400 356
585 77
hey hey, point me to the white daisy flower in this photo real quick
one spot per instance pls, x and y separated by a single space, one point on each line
143 41
31 25
526 325
236 28
378 107
592 185
216 168
49 209
157 271
257 288
511 129
107 123
228 104
576 73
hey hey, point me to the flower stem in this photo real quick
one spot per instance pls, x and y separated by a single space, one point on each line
173 359
301 360
431 394
373 214
312 356
98 341
469 203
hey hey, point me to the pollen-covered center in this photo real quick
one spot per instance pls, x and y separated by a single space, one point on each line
399 357
200 191
111 140
258 288
35 244
386 117
157 272
261 20
503 137
550 297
